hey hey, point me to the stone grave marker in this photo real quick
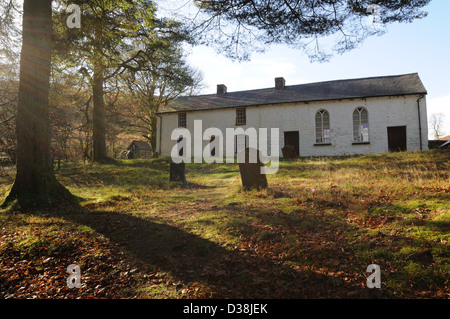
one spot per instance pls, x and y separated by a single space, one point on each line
250 170
178 172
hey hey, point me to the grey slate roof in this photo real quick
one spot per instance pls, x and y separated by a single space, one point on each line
141 145
406 84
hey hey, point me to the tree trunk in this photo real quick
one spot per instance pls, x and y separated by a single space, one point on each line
35 182
99 123
153 132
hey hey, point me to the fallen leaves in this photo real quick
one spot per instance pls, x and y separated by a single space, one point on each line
31 270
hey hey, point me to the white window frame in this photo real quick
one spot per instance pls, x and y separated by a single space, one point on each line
241 116
361 125
323 133
182 119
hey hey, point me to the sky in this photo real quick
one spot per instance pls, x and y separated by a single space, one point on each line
422 46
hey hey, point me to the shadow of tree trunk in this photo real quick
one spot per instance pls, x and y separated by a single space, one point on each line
190 258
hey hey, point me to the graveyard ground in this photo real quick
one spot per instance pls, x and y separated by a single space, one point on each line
312 234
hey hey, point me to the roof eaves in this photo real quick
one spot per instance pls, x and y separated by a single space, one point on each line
289 102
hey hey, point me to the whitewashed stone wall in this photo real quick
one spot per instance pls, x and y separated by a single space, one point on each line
383 113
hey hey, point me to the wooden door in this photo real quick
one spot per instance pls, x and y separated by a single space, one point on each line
293 138
397 138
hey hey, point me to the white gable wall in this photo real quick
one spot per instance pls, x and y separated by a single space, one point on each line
383 112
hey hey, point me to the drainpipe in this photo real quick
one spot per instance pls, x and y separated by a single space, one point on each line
420 121
160 133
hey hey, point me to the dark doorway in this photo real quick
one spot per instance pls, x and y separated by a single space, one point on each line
397 138
293 138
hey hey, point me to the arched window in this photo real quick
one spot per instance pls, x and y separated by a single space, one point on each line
323 127
360 125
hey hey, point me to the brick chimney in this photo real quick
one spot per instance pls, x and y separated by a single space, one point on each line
280 83
221 89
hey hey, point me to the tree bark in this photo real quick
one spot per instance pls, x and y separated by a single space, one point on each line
99 122
35 182
153 132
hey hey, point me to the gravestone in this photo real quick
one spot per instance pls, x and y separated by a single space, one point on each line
178 172
251 175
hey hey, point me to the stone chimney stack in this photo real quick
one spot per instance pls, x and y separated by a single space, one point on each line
221 89
280 83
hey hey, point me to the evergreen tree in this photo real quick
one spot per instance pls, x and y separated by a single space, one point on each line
159 74
35 183
97 49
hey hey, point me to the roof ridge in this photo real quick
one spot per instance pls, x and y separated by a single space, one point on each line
363 78
374 86
309 83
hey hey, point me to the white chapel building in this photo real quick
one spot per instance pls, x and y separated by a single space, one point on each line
333 118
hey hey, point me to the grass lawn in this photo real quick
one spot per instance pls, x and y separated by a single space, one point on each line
312 234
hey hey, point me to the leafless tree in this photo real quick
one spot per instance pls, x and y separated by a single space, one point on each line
436 121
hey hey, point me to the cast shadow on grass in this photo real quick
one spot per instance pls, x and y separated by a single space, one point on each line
190 258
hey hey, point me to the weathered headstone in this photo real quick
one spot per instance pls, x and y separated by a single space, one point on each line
178 172
250 170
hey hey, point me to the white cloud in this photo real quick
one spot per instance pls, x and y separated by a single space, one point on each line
259 73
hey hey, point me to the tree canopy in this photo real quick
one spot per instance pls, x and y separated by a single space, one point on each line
98 49
240 27
123 44
158 74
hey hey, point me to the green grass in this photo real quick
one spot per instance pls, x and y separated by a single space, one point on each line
322 221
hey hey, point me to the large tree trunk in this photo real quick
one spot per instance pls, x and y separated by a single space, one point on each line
35 182
99 122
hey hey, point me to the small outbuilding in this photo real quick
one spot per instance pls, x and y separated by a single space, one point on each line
139 149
